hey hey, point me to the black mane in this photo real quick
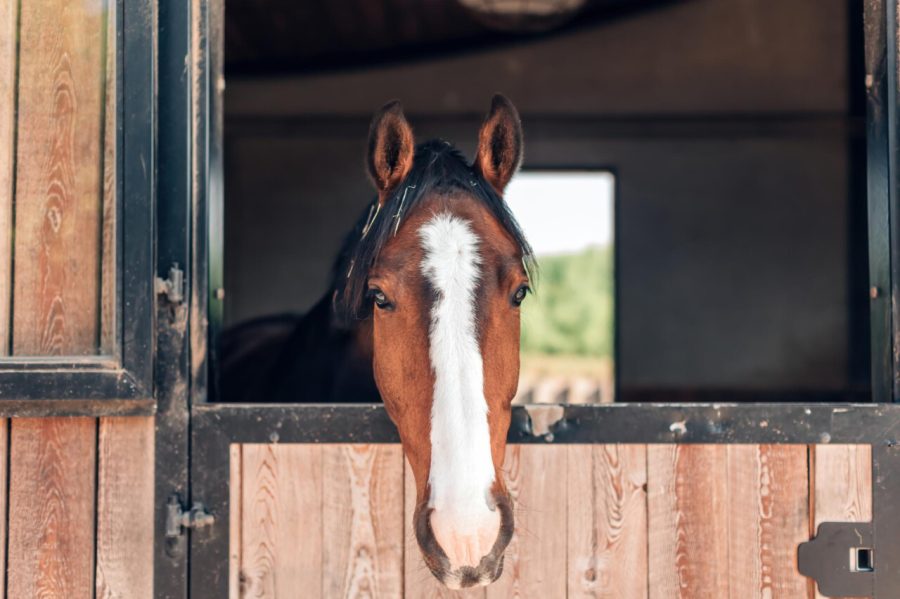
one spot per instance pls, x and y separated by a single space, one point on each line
437 167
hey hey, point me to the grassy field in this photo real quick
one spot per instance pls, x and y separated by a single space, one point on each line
571 311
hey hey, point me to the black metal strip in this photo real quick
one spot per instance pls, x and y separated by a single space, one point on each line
612 423
886 519
136 147
878 200
23 386
175 139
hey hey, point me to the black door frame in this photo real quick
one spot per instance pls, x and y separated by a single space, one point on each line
193 437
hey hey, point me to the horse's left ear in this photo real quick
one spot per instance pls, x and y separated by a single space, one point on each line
391 149
500 143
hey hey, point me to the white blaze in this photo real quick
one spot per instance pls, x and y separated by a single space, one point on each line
462 470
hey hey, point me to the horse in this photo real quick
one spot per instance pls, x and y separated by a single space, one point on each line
422 314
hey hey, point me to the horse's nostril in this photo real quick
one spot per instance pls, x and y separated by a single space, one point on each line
468 577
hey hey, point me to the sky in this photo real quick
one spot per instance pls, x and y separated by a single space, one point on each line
563 212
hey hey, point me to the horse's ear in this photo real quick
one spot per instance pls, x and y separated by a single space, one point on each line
391 148
500 143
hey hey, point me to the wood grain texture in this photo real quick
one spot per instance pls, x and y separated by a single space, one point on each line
768 517
842 485
56 295
418 581
687 521
607 521
108 200
235 518
362 521
125 514
8 25
4 475
535 563
51 508
281 521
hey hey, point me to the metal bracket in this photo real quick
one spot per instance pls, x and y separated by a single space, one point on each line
173 287
841 559
178 520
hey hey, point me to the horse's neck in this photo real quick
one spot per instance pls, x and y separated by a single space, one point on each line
323 362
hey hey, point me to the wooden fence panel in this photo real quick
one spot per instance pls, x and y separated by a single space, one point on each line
58 178
4 499
8 26
535 563
620 521
768 517
281 521
322 518
607 521
726 520
125 517
842 485
51 508
362 521
687 514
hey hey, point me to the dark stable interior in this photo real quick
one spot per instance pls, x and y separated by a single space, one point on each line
736 131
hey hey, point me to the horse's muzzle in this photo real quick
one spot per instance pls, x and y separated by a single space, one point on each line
455 576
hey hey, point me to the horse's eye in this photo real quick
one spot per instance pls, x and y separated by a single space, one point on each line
379 298
519 295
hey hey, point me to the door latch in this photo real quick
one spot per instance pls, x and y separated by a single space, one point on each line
841 559
178 519
172 287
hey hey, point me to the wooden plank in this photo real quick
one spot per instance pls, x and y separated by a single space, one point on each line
281 521
108 201
4 474
687 520
125 515
58 187
235 519
418 581
768 517
362 521
8 24
842 485
607 521
535 563
51 508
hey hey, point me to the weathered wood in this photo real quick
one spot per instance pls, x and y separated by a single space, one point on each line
768 517
125 508
58 187
281 521
687 521
607 521
108 202
418 582
8 21
235 519
362 521
842 485
51 508
535 563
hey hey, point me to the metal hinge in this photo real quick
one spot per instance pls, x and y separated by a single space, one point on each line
173 287
178 520
841 559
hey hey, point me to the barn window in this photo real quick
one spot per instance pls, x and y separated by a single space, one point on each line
76 258
740 253
568 326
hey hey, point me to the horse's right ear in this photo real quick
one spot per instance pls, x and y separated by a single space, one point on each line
391 149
